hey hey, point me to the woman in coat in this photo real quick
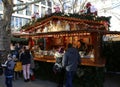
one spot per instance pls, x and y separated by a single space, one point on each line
25 58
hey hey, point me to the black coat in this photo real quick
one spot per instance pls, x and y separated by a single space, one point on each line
25 58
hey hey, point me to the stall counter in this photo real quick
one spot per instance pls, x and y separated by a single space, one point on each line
84 61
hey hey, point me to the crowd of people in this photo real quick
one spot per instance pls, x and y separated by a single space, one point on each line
20 63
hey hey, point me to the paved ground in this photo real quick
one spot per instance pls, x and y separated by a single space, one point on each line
112 80
21 83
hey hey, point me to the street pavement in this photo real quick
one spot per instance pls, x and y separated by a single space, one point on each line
111 80
20 83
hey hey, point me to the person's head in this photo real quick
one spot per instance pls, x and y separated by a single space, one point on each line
9 57
14 57
88 5
61 50
78 43
70 45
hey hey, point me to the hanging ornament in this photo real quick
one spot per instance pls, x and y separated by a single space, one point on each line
67 27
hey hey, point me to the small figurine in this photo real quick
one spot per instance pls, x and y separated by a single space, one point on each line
57 9
91 9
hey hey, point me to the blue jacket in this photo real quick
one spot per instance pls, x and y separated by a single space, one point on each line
71 59
9 69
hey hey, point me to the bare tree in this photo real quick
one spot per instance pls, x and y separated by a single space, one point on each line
73 6
5 25
61 3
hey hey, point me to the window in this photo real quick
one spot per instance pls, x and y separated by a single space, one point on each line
37 2
1 6
43 2
12 22
20 22
49 11
19 7
25 21
42 11
49 4
28 10
36 8
16 22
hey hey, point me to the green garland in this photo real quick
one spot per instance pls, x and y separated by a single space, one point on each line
19 40
82 16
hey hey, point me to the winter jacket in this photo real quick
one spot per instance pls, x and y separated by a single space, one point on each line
25 58
9 69
71 59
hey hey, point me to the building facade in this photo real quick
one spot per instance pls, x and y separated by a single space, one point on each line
22 17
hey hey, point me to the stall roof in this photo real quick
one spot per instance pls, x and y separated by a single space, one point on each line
92 22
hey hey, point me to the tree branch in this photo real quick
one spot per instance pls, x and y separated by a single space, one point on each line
20 9
27 3
54 2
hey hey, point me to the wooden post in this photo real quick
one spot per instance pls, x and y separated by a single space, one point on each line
96 40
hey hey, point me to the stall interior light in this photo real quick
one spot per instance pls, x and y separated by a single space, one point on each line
58 35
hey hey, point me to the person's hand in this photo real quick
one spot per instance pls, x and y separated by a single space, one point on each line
3 65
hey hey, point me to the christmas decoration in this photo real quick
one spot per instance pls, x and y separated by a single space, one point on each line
91 9
57 9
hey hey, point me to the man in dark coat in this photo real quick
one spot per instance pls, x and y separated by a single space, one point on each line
71 59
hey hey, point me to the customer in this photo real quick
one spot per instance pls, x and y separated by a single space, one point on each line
32 66
9 70
71 59
25 58
59 69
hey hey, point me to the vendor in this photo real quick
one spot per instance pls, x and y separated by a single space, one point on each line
81 46
41 46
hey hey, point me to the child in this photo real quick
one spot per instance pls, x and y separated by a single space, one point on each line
9 70
59 71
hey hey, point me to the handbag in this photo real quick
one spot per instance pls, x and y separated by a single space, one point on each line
18 66
57 68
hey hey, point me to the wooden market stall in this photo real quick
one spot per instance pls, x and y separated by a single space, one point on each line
59 29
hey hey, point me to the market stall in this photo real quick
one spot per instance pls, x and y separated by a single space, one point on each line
58 29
